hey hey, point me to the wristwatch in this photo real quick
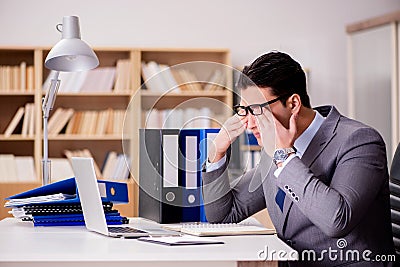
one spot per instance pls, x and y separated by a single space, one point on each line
281 154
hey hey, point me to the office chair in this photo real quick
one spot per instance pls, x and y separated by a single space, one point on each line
394 186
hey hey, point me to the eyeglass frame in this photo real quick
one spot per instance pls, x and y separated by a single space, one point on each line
249 109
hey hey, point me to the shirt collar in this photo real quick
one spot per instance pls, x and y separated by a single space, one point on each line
304 140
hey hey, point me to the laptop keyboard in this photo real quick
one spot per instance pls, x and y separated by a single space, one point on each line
124 230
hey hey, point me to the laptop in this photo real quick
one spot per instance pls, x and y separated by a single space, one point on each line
93 212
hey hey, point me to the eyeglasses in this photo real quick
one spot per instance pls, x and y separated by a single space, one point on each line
255 109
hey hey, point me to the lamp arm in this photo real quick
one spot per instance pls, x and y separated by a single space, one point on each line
47 106
49 99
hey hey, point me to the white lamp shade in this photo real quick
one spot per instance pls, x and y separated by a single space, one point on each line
71 53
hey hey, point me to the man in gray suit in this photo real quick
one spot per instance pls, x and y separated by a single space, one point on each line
325 181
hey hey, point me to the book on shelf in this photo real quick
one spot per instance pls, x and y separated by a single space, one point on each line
61 169
116 166
25 168
59 120
102 121
160 78
216 81
177 118
17 78
169 78
153 80
188 79
28 123
30 78
88 122
99 80
123 75
102 79
14 122
17 168
22 76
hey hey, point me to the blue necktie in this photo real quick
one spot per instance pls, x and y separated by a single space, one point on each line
280 198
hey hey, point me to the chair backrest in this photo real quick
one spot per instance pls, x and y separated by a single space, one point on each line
394 186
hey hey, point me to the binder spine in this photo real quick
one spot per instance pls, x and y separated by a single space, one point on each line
159 193
206 138
190 174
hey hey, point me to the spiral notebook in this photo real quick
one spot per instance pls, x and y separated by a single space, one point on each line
219 229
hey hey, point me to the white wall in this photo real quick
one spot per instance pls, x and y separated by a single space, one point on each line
312 31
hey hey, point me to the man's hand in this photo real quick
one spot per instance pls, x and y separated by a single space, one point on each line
285 138
266 128
274 134
231 129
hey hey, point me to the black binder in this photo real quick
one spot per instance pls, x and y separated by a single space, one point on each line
160 196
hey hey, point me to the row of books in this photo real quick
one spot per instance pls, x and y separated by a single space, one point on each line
19 78
179 118
160 78
22 168
115 166
90 122
17 168
23 121
102 79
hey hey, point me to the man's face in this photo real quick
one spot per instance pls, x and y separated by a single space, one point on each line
254 95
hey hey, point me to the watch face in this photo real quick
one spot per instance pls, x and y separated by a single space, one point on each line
280 155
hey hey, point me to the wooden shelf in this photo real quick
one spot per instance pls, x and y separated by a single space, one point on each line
94 94
16 93
76 137
16 137
171 100
219 93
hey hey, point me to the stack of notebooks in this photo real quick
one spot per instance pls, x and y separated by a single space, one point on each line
58 204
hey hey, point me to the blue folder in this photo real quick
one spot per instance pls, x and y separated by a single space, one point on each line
193 211
112 218
190 192
116 192
205 134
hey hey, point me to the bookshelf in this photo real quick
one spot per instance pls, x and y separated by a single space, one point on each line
128 96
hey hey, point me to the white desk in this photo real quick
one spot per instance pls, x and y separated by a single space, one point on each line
21 244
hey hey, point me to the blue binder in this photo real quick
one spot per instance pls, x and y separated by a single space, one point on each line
189 143
115 192
112 218
190 172
206 138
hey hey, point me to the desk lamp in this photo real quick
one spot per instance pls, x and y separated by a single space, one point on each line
70 54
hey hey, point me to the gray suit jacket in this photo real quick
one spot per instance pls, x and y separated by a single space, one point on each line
337 192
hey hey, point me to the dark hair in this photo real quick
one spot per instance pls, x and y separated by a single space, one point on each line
278 71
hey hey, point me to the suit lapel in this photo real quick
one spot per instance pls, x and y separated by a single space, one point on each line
321 139
270 188
323 136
